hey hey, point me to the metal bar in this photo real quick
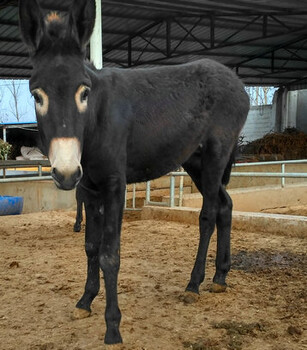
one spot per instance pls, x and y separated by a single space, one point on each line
31 178
239 31
283 168
264 174
172 191
280 22
188 32
168 37
40 172
96 39
212 31
147 191
299 161
181 191
150 43
163 204
265 25
133 196
129 51
133 35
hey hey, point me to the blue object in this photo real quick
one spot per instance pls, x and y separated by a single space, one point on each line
10 205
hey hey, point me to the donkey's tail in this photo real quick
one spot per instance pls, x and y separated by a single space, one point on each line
227 171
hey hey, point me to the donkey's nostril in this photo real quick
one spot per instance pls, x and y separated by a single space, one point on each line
56 175
79 173
66 180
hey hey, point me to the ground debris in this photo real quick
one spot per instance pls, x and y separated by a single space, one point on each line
293 330
236 331
261 260
201 344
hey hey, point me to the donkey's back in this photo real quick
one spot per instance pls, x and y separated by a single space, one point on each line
170 111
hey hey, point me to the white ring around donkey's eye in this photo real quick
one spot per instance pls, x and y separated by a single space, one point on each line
41 101
81 98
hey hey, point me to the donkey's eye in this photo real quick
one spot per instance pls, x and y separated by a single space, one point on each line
38 99
84 95
41 101
81 98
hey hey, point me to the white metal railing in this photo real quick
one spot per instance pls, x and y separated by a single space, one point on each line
40 176
29 175
282 174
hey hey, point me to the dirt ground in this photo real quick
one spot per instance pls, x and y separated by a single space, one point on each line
43 269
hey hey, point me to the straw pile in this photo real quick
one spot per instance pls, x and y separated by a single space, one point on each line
290 144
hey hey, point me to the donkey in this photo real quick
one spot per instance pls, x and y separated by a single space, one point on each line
104 128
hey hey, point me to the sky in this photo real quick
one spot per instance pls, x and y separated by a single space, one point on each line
25 102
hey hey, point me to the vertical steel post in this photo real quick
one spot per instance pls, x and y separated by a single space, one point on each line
283 180
181 191
147 192
172 191
212 31
129 51
133 196
5 156
168 37
96 39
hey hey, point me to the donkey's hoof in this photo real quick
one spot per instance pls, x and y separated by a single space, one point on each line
113 347
78 314
77 228
190 297
218 288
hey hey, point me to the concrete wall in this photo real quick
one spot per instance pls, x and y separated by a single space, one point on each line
39 195
260 121
290 109
301 114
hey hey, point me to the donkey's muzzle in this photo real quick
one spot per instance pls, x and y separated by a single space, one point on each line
66 181
64 155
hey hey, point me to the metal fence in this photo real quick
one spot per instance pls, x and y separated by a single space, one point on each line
282 175
39 164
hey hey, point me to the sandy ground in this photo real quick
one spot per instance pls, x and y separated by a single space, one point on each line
42 274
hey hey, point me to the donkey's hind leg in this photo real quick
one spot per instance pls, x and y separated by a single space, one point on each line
206 169
94 221
223 223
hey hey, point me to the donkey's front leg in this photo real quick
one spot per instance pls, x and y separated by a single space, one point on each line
109 254
93 232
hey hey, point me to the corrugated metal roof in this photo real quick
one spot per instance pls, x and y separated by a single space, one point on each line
264 41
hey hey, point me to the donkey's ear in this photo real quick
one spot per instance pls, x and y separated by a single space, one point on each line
31 23
82 16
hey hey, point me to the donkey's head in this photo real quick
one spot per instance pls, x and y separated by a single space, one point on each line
59 82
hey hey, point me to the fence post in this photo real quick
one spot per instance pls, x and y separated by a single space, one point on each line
283 180
147 200
181 191
133 196
172 191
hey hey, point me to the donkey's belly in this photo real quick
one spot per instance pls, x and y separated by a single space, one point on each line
144 164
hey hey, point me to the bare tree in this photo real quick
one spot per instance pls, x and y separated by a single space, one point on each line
260 95
1 106
14 88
